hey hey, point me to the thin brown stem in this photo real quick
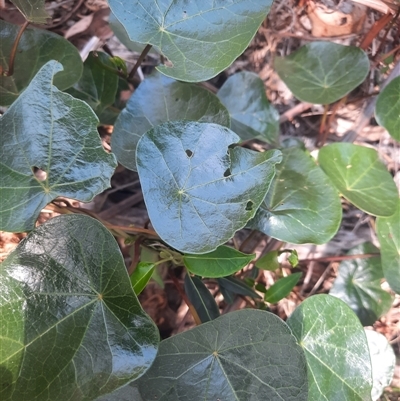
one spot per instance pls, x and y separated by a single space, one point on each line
340 258
139 62
14 51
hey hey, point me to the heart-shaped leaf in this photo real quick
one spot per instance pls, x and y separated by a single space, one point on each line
33 10
51 131
387 110
323 72
387 229
335 345
360 176
282 288
174 101
243 94
358 283
219 263
200 39
35 49
198 190
244 356
71 326
302 205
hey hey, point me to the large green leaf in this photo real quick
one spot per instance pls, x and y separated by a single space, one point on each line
219 263
33 10
35 49
323 72
49 130
302 205
246 355
198 189
387 111
243 94
157 100
71 326
388 230
336 349
200 38
358 283
360 176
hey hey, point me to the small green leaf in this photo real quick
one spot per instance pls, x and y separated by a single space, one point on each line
141 276
200 39
198 189
201 299
293 258
243 94
387 110
335 345
48 130
302 205
157 100
323 72
269 261
282 288
36 48
245 355
358 283
387 229
360 176
33 10
229 296
219 263
98 84
236 286
71 326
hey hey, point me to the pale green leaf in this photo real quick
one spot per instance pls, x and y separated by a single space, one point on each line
141 276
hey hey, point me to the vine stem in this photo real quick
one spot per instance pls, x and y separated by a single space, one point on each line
14 50
139 62
340 258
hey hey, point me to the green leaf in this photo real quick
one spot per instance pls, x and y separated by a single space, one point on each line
35 49
336 349
243 94
201 299
71 326
200 39
358 283
282 288
246 355
387 110
98 84
323 72
269 261
157 100
49 130
293 258
360 176
229 296
197 189
302 206
236 286
387 229
219 263
33 10
383 361
141 276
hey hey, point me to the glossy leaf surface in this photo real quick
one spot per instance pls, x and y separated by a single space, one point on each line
360 176
302 205
335 345
141 276
201 299
243 94
282 288
388 231
358 283
200 39
48 130
71 326
98 85
235 286
199 191
33 10
219 263
387 110
35 49
157 100
247 355
323 72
